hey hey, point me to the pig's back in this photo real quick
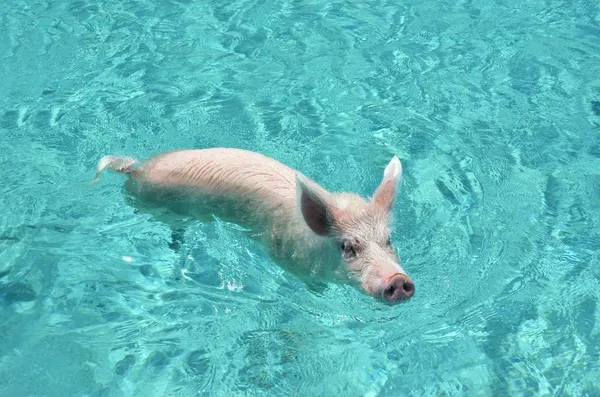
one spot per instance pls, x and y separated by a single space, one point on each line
222 172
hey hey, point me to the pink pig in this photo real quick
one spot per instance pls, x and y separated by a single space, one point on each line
313 233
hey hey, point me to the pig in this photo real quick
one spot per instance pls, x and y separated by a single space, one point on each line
313 233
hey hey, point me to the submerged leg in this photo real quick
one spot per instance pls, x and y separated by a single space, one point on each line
160 213
316 287
177 237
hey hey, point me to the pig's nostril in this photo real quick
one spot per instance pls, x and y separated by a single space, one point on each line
388 293
409 288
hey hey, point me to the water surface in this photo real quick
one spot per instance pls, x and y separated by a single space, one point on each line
493 108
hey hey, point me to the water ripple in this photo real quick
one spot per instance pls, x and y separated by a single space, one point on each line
492 108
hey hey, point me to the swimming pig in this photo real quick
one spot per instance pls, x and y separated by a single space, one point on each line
311 232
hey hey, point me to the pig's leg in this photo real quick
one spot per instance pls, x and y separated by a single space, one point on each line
144 199
316 287
177 238
160 213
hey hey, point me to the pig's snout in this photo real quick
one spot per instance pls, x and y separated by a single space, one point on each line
398 287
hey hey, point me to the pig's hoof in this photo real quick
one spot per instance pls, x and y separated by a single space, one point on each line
316 288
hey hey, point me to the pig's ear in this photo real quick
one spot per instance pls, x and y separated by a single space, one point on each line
385 195
312 202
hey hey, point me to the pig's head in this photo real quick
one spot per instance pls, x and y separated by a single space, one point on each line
360 230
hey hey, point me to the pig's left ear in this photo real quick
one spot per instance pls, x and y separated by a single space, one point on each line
385 195
314 204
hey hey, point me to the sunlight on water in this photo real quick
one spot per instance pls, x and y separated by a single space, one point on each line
492 107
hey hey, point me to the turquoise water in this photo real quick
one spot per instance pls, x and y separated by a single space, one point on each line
492 106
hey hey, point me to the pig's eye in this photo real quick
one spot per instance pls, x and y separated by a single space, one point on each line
389 242
348 249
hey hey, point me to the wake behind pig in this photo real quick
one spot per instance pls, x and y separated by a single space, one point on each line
309 231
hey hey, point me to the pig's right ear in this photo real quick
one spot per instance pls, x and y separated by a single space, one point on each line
312 203
385 193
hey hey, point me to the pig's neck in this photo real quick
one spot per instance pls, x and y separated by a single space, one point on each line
295 247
